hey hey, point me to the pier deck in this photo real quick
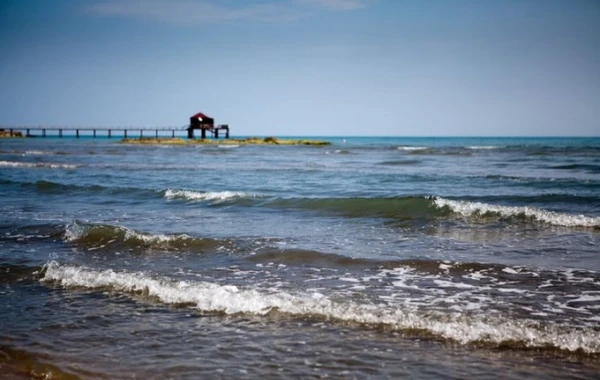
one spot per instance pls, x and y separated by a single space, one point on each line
124 132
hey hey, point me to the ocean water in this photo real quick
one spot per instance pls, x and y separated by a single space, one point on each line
370 258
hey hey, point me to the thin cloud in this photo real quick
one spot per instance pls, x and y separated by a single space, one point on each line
192 11
195 12
337 5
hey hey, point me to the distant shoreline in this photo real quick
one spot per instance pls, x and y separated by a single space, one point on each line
246 141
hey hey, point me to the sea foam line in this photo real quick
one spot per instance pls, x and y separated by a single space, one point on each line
466 208
36 165
231 299
219 196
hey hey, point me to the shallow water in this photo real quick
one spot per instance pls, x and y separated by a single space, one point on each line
373 257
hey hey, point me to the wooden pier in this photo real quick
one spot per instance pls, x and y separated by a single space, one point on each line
124 132
198 121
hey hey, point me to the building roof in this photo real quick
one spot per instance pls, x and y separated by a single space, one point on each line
201 115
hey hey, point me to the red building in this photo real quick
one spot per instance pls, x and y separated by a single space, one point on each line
206 123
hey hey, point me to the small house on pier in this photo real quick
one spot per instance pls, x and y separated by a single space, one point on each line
206 123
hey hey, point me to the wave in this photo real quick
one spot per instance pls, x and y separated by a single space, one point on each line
44 186
37 165
38 153
483 147
299 257
55 187
424 209
591 168
303 257
231 299
214 197
340 151
474 209
528 150
94 237
398 208
551 199
400 162
412 148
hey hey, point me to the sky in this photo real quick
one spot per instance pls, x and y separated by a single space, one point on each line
305 67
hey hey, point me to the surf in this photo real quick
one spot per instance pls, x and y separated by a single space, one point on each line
210 297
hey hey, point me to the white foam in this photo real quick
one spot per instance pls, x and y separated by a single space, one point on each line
216 197
466 208
451 284
481 147
412 148
445 267
476 276
231 299
38 153
36 165
152 238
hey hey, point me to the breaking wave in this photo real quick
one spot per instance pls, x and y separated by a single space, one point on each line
106 237
469 209
36 165
398 208
463 328
412 148
428 208
483 147
214 197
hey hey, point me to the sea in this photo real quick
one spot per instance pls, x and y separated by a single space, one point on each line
374 257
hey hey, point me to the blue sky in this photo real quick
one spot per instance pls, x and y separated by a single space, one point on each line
305 67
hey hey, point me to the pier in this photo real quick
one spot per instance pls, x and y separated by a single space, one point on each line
124 132
198 121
